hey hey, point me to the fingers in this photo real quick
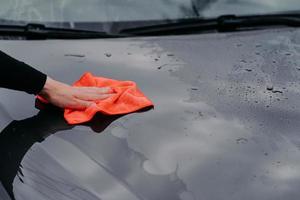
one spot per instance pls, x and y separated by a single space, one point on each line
106 90
92 93
86 95
95 90
79 98
79 104
92 96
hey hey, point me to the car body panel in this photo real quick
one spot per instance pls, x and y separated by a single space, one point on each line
225 123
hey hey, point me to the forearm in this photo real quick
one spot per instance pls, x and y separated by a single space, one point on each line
17 75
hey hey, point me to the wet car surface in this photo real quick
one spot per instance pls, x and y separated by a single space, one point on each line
225 123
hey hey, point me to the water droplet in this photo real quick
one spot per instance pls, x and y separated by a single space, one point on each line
200 114
75 55
277 91
270 87
107 54
241 140
161 66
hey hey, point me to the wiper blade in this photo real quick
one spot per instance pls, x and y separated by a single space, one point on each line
40 31
232 22
221 24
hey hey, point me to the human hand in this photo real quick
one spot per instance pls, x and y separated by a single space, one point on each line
66 96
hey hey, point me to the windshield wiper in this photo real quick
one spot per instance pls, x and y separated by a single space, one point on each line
223 23
40 31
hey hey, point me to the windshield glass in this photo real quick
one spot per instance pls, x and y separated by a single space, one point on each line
102 11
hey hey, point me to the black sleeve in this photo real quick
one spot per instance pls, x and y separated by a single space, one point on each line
17 75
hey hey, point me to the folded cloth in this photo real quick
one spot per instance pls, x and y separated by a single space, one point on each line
127 98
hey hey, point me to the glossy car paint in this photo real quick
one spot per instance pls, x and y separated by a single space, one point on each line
225 123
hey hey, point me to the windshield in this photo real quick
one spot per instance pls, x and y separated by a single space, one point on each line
60 12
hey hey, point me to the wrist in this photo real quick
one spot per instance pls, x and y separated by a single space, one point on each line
49 86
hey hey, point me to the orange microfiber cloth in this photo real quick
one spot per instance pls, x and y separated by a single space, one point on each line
127 98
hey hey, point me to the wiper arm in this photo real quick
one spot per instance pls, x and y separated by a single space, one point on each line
222 24
40 31
232 22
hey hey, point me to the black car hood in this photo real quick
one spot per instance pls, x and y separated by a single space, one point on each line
225 123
